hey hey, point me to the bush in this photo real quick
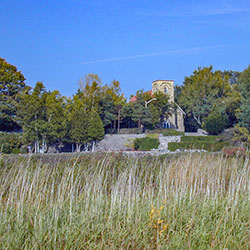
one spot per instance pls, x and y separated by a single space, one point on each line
234 151
16 151
208 146
210 138
237 136
146 143
215 123
9 142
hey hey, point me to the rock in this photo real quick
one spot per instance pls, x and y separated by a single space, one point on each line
51 149
202 131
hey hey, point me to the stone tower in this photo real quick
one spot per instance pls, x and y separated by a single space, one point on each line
164 86
175 120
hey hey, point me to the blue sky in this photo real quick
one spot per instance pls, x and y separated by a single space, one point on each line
135 42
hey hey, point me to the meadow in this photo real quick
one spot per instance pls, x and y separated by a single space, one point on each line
110 201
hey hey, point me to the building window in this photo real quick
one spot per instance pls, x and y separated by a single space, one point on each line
165 90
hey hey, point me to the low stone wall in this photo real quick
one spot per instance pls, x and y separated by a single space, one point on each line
164 140
118 142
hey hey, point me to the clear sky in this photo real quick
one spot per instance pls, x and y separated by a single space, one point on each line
133 41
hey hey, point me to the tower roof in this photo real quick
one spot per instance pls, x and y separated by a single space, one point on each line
164 80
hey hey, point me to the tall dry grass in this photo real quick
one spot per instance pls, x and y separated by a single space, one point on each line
195 201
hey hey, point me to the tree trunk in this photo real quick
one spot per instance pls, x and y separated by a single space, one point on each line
114 125
78 147
119 118
93 146
37 148
198 120
44 145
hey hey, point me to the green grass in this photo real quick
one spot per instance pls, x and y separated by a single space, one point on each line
165 132
209 138
172 132
108 201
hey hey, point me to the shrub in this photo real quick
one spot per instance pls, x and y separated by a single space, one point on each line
237 136
210 138
146 143
234 151
215 123
208 146
16 151
9 142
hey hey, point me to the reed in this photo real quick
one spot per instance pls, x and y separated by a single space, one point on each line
107 201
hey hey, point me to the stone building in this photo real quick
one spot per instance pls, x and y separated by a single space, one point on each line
176 120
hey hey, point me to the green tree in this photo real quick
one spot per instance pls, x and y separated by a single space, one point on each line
107 109
111 103
164 108
95 128
229 105
155 115
56 118
200 91
141 114
126 115
12 83
215 122
78 122
119 101
244 89
91 90
32 117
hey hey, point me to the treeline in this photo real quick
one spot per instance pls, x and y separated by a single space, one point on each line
213 100
48 118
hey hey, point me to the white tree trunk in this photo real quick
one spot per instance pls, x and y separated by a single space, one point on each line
78 147
93 146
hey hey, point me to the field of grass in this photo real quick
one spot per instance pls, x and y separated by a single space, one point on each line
109 201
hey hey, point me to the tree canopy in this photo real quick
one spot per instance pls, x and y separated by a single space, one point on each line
212 99
244 89
200 90
12 83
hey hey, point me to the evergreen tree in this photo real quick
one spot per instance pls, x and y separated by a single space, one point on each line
155 115
32 117
78 123
107 109
95 128
141 114
56 118
244 89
